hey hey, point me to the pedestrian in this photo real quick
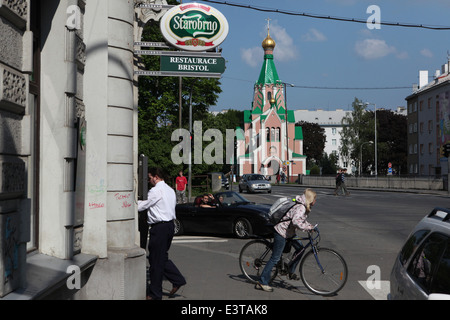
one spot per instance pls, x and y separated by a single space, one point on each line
181 183
338 181
160 206
294 219
343 186
143 228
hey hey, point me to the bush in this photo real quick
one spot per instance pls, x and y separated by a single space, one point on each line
315 170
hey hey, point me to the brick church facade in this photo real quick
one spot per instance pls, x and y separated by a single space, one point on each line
271 143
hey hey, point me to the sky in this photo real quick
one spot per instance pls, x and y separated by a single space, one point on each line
323 53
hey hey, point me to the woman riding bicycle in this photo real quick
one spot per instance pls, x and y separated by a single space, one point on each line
294 219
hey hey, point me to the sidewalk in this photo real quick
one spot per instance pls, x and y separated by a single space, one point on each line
214 274
420 191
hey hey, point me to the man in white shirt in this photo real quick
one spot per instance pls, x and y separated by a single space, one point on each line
160 206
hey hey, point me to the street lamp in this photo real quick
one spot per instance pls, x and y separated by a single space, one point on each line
360 155
375 129
286 119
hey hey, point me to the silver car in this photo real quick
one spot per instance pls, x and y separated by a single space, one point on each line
422 268
254 183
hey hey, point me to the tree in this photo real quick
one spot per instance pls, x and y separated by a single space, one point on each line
358 138
358 129
329 163
392 141
313 141
159 106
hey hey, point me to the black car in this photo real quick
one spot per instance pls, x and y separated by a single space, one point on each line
232 214
225 182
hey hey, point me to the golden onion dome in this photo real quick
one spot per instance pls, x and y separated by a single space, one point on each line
268 42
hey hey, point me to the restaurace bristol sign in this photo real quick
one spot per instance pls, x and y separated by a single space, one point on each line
194 27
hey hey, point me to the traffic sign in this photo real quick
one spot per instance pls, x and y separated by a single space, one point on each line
178 53
155 6
152 44
177 74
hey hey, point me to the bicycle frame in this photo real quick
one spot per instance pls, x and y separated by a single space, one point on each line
324 277
312 242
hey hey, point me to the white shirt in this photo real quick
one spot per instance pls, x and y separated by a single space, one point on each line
160 203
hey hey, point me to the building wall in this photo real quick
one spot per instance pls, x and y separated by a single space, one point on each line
15 142
68 157
331 121
428 109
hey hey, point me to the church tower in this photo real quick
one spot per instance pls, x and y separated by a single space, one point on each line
271 143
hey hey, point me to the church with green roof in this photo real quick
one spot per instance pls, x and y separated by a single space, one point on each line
271 143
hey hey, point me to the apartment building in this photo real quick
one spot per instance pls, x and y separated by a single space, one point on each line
429 123
331 121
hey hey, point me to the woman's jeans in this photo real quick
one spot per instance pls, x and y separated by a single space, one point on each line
278 246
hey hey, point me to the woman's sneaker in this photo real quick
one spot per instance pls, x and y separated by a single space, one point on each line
264 287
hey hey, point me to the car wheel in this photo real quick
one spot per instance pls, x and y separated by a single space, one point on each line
248 190
178 227
240 189
242 228
270 191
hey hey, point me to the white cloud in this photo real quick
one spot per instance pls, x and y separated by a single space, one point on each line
314 35
252 56
426 53
370 49
285 49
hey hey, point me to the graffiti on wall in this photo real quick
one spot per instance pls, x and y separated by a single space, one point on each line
11 251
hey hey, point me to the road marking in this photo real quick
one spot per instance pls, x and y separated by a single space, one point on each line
197 239
379 289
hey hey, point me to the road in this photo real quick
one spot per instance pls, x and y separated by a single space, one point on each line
368 228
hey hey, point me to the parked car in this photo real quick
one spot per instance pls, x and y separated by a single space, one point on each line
233 214
225 182
422 268
253 183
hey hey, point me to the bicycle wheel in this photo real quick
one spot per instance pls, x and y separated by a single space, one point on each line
253 258
331 279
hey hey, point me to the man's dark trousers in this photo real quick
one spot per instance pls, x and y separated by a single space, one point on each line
161 235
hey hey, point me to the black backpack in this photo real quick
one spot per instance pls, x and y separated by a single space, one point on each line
279 209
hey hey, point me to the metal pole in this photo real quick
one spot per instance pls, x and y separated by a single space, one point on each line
376 160
180 96
190 149
287 139
180 88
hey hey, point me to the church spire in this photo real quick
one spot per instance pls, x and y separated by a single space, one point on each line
268 73
268 44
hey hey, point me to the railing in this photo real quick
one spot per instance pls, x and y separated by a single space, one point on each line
385 182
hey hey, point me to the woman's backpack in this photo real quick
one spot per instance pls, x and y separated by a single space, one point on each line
279 209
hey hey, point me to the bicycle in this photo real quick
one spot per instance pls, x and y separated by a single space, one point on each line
323 271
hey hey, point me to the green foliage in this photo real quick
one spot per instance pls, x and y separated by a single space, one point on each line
315 170
358 138
313 141
159 110
329 163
